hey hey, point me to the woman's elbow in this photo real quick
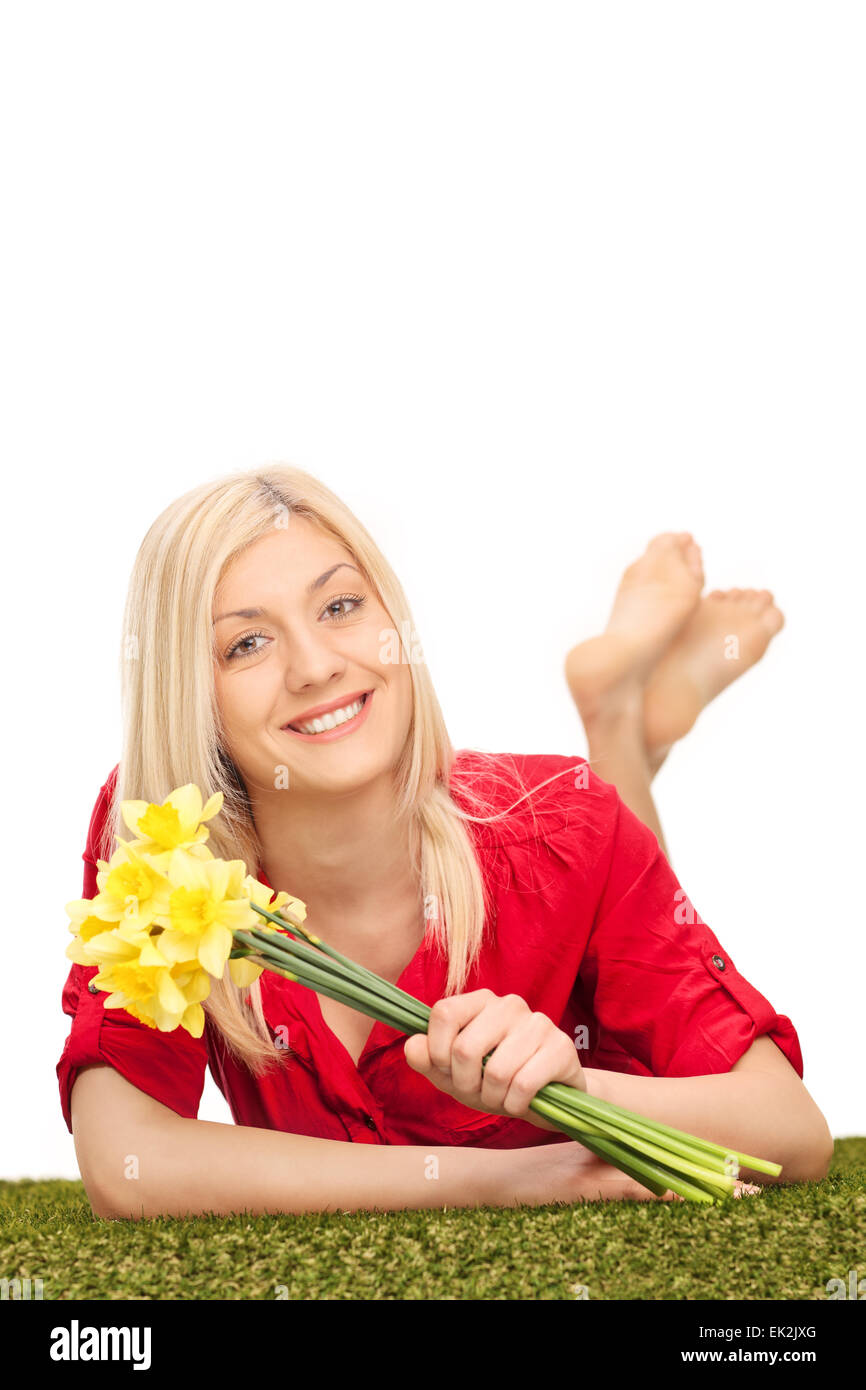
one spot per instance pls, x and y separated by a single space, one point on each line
113 1206
102 1199
823 1154
822 1147
806 1150
813 1158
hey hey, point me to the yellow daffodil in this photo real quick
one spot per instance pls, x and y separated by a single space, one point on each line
245 972
134 972
124 941
133 895
83 923
176 824
261 894
130 887
165 914
206 906
160 996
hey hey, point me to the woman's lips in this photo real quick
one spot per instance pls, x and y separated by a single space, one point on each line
330 734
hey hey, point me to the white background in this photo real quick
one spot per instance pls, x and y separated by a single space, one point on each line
525 284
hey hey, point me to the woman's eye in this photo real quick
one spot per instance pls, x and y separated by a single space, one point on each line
347 598
239 649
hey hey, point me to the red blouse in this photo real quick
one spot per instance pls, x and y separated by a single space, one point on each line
589 925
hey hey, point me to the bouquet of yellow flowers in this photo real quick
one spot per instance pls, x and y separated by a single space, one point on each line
169 916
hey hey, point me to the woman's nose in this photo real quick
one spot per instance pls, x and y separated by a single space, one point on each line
310 663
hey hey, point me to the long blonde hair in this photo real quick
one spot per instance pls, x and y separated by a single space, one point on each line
172 731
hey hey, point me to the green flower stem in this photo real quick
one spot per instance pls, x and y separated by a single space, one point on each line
374 1011
345 992
301 955
655 1176
687 1167
658 1177
343 968
715 1179
357 971
576 1130
620 1160
296 956
706 1163
691 1151
582 1102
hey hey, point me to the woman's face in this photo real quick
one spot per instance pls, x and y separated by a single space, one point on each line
316 639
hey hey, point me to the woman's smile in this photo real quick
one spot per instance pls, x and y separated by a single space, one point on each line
344 720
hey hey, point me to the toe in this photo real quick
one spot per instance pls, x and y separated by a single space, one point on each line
773 619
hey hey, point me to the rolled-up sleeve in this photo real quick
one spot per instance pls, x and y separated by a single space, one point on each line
659 984
168 1066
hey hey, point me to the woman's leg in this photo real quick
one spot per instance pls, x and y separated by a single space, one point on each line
666 652
618 754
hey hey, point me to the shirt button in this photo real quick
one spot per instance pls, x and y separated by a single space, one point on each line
370 1122
718 963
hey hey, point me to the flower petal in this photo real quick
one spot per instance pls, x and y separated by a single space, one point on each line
193 1020
187 802
214 949
244 972
212 806
131 813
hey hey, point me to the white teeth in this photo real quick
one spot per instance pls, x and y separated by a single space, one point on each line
331 721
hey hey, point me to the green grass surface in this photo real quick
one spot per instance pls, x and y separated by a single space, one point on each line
784 1244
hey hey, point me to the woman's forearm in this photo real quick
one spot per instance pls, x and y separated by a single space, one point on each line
764 1116
186 1167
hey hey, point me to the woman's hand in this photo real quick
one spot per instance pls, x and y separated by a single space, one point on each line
567 1172
528 1051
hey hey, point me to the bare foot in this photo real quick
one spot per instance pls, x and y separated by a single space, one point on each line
607 674
725 634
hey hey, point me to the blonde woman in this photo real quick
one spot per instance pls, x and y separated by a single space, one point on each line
268 653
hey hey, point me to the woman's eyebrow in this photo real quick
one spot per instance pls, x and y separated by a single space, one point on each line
311 589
